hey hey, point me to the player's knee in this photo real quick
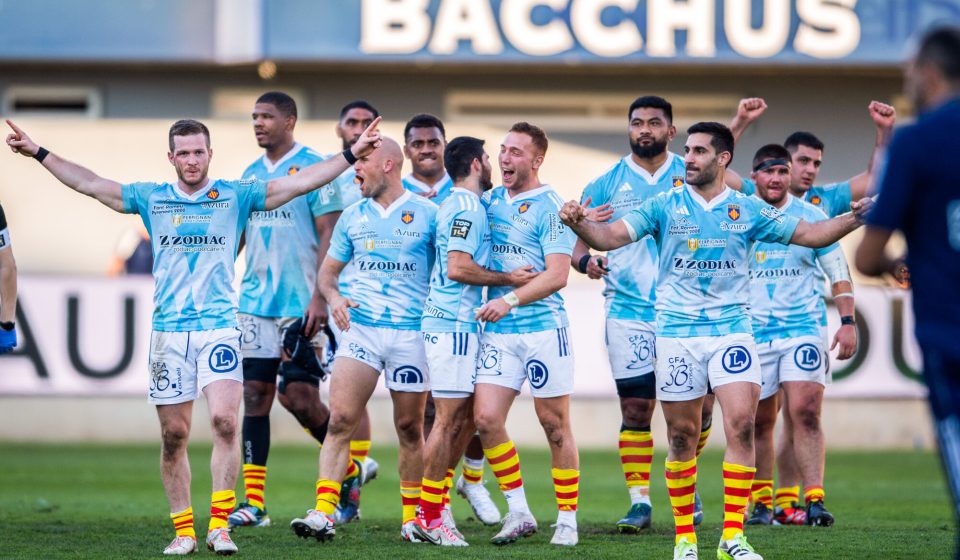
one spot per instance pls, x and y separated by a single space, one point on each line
409 429
637 412
487 422
301 399
256 400
174 438
682 436
342 423
224 426
741 430
807 418
554 427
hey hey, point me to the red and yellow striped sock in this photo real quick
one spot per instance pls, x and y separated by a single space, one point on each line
183 523
352 470
221 504
328 495
762 492
704 436
636 458
787 496
410 493
447 484
359 449
431 501
737 480
566 483
681 486
813 494
254 479
505 463
470 473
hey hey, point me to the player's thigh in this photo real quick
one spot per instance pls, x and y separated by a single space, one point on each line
351 385
173 371
770 355
452 363
803 401
260 336
631 348
681 373
547 358
499 361
733 359
405 367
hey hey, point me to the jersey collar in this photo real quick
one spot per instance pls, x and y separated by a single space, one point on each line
463 190
783 208
203 190
385 212
271 167
658 174
423 187
528 194
708 206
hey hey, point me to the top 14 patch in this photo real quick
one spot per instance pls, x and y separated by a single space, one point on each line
460 228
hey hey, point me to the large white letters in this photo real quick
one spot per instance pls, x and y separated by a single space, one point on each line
665 17
766 41
838 17
536 40
468 20
619 40
393 26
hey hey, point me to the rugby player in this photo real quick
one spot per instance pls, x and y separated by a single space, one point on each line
526 335
195 226
389 238
450 331
704 339
424 139
786 306
629 275
919 197
283 250
424 145
8 289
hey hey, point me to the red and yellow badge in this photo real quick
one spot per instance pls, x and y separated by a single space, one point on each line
693 243
677 181
406 216
733 211
815 200
293 170
524 207
761 256
213 194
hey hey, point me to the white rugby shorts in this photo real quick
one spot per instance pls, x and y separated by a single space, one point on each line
399 354
183 363
631 347
687 366
543 358
452 359
791 359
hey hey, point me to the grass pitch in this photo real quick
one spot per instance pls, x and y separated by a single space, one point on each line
106 501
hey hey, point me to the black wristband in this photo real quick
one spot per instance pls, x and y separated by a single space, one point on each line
584 261
848 320
7 326
41 154
348 155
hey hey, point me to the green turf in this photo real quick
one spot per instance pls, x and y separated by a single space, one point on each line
105 501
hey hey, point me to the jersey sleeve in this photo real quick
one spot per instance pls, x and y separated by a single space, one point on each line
747 186
838 197
325 200
252 194
341 247
769 224
466 231
135 196
897 182
645 219
596 191
555 238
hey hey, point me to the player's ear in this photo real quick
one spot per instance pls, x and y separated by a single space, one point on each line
170 157
671 132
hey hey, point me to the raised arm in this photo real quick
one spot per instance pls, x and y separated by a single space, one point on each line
884 116
283 190
748 111
462 268
603 236
550 281
821 234
75 176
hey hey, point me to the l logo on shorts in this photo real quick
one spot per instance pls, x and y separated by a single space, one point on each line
408 375
223 358
736 359
537 374
807 357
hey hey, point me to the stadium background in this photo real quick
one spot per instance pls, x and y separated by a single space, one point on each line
101 82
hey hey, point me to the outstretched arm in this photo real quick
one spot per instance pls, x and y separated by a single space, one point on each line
283 190
602 236
821 234
75 176
884 116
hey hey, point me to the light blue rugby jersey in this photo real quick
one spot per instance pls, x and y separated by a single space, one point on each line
630 287
703 282
194 240
834 199
786 283
281 244
461 226
443 187
391 252
524 230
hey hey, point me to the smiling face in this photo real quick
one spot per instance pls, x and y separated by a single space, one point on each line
271 127
773 184
703 163
424 149
519 160
191 158
650 132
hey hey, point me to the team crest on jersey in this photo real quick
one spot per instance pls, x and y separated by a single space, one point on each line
677 181
524 207
693 243
815 200
761 256
406 216
213 194
293 170
733 211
